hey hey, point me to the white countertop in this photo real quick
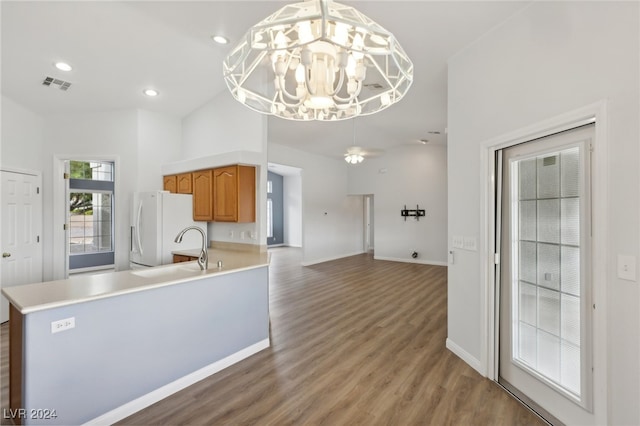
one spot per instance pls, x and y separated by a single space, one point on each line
83 288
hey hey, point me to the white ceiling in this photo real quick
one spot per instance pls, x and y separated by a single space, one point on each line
119 48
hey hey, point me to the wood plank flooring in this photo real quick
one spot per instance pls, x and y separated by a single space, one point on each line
353 341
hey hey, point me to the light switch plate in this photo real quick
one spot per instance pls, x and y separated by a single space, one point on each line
457 242
470 243
627 267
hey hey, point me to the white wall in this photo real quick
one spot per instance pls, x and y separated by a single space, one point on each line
292 201
552 58
108 135
332 220
407 175
220 126
159 139
22 137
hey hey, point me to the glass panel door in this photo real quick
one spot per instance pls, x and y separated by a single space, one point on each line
546 216
545 315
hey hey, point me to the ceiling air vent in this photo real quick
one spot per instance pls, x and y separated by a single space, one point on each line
549 161
54 82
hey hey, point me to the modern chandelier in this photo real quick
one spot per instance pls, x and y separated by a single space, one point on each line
318 60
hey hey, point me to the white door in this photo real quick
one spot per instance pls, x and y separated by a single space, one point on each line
545 287
21 230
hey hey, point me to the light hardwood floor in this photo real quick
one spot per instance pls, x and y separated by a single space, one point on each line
353 341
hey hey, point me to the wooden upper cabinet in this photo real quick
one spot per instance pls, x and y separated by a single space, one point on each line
184 183
202 185
170 183
234 194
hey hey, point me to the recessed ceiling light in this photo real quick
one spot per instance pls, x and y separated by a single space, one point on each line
63 66
220 39
151 92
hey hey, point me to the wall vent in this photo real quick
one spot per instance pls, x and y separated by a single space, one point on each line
54 82
549 161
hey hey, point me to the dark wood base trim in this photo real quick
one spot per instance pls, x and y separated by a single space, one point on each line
15 361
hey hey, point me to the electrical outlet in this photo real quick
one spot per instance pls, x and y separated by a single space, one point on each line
230 234
63 325
243 234
627 267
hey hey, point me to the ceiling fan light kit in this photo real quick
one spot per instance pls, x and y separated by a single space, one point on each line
318 60
353 158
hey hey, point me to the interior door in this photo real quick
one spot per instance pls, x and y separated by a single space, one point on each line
21 230
545 354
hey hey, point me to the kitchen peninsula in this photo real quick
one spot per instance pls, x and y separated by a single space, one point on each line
96 348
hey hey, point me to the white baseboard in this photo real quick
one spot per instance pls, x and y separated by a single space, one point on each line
466 357
152 397
424 262
329 259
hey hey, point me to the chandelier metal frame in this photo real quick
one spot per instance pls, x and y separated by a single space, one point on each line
318 60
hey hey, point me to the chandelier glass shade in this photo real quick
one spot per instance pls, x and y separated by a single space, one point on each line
318 60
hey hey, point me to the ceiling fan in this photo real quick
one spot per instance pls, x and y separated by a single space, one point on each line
356 154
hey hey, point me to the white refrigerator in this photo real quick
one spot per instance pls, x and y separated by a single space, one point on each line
157 218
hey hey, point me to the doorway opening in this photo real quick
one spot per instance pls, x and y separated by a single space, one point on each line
275 210
284 191
368 232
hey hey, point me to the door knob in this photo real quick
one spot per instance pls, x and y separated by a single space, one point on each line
5 254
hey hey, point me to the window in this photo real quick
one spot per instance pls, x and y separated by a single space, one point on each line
91 225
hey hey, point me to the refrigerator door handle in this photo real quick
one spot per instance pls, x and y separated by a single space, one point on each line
137 227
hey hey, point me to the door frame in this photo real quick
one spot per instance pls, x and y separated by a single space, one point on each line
594 113
40 218
60 199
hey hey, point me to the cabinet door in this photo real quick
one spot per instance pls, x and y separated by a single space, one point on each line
234 194
179 258
202 195
184 183
246 194
170 183
225 194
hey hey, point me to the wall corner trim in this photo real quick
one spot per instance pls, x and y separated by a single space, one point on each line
329 259
418 261
466 357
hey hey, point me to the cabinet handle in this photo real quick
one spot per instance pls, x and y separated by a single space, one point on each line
5 254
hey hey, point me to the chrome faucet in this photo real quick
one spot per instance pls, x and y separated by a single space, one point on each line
203 260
